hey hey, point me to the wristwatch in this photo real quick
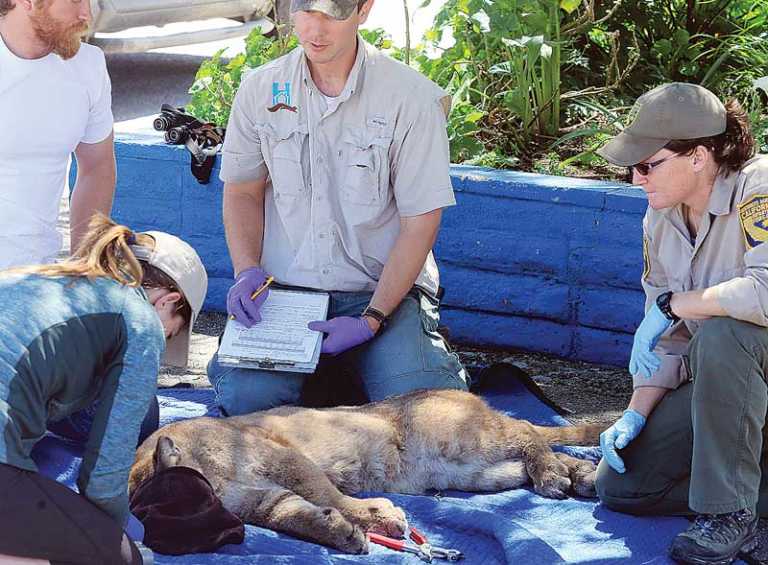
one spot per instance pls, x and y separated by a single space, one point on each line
377 315
664 302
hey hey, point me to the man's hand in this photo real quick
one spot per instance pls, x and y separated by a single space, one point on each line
618 436
643 360
344 332
239 303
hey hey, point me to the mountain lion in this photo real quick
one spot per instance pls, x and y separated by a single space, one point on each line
292 469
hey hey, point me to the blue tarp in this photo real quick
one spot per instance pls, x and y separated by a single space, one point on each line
515 526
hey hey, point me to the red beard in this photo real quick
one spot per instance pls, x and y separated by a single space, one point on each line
64 40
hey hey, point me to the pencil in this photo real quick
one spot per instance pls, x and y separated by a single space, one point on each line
259 290
263 287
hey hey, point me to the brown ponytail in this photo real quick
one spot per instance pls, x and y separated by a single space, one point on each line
738 145
103 252
732 148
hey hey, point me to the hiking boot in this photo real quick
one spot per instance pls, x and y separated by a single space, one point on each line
716 538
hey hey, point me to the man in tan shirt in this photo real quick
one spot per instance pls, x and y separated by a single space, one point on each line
700 356
336 171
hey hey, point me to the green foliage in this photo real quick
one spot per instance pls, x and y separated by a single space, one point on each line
503 71
378 38
721 44
541 84
217 79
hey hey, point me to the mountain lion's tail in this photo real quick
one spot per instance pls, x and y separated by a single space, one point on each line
588 434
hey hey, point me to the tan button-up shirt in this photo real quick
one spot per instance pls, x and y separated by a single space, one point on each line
341 171
727 254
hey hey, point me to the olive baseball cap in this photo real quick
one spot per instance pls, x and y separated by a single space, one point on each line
672 111
177 259
337 9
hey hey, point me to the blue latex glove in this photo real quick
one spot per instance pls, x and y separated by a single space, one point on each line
239 303
618 436
134 529
344 333
643 359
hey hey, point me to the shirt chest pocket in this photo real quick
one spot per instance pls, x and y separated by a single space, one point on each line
283 149
366 180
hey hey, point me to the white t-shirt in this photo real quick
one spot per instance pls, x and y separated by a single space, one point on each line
48 106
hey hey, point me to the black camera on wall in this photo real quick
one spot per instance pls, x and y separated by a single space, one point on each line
176 123
203 140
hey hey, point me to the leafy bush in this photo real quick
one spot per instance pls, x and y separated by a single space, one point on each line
503 71
720 44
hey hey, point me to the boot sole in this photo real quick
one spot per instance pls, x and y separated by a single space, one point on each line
749 545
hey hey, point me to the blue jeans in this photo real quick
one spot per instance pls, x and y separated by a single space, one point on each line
405 356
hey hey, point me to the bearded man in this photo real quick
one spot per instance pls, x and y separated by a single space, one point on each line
55 99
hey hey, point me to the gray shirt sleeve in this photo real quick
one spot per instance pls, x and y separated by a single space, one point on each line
242 159
746 297
129 382
420 156
671 345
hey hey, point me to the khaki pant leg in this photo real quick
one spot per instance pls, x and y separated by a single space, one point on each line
657 462
730 399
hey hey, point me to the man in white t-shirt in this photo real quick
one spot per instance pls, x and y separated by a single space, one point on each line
55 100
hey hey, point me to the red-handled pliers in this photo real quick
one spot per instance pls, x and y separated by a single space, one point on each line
420 546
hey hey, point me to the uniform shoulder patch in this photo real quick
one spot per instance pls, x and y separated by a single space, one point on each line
753 216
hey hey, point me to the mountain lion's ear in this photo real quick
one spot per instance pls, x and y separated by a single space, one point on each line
166 454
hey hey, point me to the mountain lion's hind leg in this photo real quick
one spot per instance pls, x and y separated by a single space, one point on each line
550 476
582 474
482 477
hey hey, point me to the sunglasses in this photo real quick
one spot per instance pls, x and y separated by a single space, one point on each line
645 169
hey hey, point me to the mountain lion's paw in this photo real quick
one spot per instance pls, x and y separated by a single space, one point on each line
384 517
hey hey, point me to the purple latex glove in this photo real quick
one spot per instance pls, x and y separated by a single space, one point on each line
134 529
239 303
343 333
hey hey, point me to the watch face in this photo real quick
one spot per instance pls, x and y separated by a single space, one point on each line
663 302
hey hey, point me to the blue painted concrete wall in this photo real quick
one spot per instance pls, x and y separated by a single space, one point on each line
543 263
529 261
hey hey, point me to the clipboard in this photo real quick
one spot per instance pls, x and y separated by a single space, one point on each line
281 341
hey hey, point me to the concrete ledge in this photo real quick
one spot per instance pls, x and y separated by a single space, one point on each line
530 261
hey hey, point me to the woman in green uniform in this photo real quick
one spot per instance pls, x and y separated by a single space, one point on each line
691 440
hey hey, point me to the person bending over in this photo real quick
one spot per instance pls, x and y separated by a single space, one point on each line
91 329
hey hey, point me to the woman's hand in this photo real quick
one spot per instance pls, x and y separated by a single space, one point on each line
643 360
619 435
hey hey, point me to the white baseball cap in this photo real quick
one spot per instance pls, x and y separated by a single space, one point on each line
177 259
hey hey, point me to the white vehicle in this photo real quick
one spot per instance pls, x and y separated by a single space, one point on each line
110 16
